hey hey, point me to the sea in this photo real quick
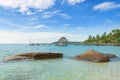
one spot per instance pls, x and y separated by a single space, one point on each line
64 68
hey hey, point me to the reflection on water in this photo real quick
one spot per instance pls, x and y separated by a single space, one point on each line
58 69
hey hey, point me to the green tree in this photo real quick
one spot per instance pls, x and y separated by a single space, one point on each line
112 37
90 38
98 37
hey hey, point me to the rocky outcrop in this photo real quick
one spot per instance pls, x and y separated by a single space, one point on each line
33 55
94 56
111 55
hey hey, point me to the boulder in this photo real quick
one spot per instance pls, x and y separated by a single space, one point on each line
33 55
93 56
111 55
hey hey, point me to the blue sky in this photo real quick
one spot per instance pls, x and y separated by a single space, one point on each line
46 21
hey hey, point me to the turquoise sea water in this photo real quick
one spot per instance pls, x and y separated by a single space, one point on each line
58 69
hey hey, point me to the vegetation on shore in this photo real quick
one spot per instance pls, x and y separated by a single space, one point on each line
111 38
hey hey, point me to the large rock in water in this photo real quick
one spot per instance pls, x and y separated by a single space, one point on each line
33 55
111 55
94 56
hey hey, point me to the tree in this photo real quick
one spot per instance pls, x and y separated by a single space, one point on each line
98 37
112 37
116 35
90 38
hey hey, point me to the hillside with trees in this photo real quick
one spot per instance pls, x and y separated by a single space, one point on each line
111 38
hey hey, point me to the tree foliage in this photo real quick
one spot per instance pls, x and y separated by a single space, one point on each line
112 37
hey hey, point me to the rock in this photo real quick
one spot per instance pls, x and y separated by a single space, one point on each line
93 56
111 55
33 55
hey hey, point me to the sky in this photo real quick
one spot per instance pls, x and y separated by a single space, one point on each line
45 21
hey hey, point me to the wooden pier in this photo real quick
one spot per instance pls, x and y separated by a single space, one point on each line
37 44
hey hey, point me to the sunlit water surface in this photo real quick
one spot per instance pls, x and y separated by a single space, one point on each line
58 69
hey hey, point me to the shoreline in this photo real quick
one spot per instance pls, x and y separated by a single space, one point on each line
96 44
102 44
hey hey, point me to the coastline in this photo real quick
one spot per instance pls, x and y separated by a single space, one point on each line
102 44
80 43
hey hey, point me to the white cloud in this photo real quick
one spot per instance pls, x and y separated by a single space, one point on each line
106 6
65 16
24 6
35 27
64 25
50 14
33 19
73 2
42 37
29 26
40 26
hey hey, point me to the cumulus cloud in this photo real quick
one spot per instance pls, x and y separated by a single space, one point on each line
106 6
25 6
41 37
73 2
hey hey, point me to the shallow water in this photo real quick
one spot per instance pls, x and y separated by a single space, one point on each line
58 69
